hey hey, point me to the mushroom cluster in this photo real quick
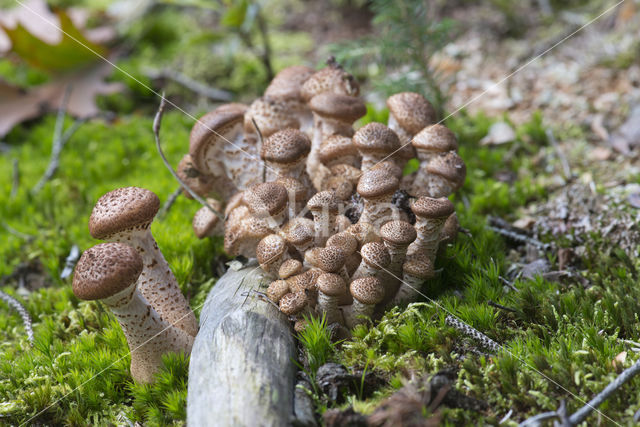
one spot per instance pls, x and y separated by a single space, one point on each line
130 276
324 208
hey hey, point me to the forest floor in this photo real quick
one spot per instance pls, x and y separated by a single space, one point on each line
548 268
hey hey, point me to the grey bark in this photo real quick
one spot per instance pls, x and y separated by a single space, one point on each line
242 370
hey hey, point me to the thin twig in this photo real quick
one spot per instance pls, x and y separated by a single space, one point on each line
507 283
266 46
200 88
15 183
70 262
566 170
502 227
59 141
260 143
15 232
501 307
157 122
170 201
22 311
468 330
625 376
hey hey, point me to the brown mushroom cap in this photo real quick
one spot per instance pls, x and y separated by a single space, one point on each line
450 230
268 198
411 110
270 249
331 284
436 138
293 303
106 269
418 265
286 146
286 85
388 167
324 200
329 79
398 233
329 260
335 147
289 268
277 290
364 232
344 108
376 255
294 188
449 166
428 207
376 138
298 231
345 241
270 116
367 290
205 221
199 182
304 281
122 209
208 130
377 183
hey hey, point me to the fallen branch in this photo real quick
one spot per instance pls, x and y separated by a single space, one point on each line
169 203
486 342
22 311
502 227
189 83
157 123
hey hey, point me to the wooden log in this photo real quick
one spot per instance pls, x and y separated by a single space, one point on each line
242 370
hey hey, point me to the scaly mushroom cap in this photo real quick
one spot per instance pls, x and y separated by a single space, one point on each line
324 200
343 108
329 260
199 182
277 290
411 110
348 172
335 147
298 231
248 229
345 241
265 199
289 268
388 167
449 166
436 138
418 265
234 202
205 221
270 249
398 233
331 284
367 290
376 138
294 187
123 209
376 255
286 85
286 146
450 230
329 79
270 116
377 183
342 188
208 133
106 269
304 282
428 207
364 232
293 303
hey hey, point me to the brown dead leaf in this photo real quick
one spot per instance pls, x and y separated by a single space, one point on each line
618 361
17 106
600 154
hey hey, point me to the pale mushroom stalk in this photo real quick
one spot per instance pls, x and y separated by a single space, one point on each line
417 269
431 215
108 272
367 292
330 288
124 215
397 236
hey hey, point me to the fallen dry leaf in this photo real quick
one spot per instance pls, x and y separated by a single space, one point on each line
600 154
618 361
17 106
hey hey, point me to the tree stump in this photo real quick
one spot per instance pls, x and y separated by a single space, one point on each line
242 370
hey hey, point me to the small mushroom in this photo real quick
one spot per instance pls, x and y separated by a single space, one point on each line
277 289
299 233
409 112
397 236
329 79
289 268
375 142
330 288
267 201
364 232
417 269
338 149
285 88
445 174
108 272
367 292
349 244
295 305
324 207
298 194
124 215
431 215
375 261
206 223
285 153
271 253
377 188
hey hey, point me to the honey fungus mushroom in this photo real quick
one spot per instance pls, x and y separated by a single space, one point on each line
109 272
